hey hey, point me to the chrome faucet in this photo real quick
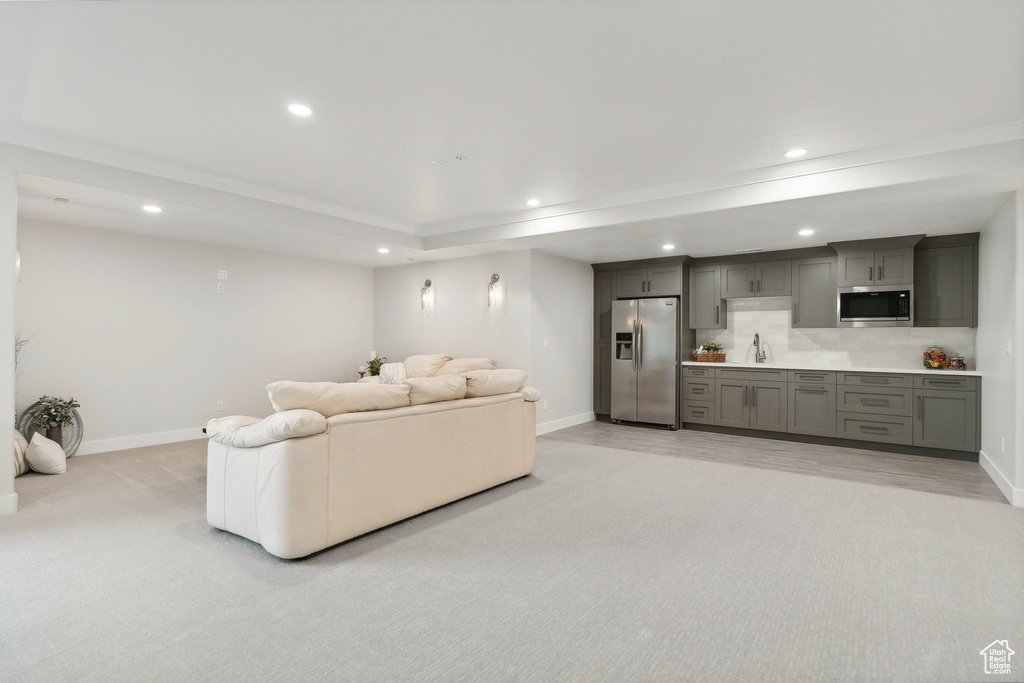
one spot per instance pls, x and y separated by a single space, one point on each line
759 355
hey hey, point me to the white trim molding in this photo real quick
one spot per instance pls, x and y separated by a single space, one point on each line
1014 495
139 441
555 425
9 504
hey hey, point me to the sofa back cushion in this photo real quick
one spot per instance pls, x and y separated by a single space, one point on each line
434 389
494 382
460 366
424 366
330 398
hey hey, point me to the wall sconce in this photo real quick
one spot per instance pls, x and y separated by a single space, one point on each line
425 296
492 291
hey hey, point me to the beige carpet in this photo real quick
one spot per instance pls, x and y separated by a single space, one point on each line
604 565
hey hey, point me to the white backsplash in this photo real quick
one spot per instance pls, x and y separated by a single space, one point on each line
879 347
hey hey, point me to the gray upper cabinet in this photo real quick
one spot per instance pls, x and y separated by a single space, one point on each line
604 283
706 305
814 292
944 287
876 267
770 278
666 280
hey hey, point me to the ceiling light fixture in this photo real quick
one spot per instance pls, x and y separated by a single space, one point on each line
795 153
806 232
59 200
533 202
299 109
668 247
152 208
383 250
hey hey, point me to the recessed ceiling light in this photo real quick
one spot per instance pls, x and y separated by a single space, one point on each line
806 232
383 250
60 200
299 109
795 153
668 247
533 202
152 208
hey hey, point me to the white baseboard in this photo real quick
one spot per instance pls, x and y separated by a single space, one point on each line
9 504
1014 495
555 425
138 441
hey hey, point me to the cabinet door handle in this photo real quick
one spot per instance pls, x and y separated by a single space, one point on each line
643 285
649 286
796 313
759 285
920 408
745 396
879 273
871 274
716 315
869 428
751 285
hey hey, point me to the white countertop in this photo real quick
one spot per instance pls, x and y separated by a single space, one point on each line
828 368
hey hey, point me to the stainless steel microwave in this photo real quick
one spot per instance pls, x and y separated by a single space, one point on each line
876 306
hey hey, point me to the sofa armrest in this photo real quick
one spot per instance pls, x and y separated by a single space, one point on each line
530 394
252 432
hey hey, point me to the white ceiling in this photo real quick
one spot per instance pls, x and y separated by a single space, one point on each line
434 121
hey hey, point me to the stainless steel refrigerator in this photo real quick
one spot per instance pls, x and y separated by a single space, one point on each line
644 361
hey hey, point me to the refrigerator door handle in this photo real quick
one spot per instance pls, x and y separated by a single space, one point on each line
640 345
634 348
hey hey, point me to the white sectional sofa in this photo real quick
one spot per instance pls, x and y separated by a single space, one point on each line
339 460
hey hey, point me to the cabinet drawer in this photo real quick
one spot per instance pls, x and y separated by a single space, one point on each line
875 379
896 429
701 412
690 371
880 401
754 375
946 382
812 376
699 389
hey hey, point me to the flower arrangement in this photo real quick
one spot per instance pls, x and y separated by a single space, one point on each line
375 362
710 347
54 412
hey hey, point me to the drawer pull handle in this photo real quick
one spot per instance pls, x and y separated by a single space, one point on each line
814 390
810 378
946 382
876 402
874 380
869 428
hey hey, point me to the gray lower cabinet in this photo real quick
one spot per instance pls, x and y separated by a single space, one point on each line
946 412
812 403
603 378
751 404
814 292
874 406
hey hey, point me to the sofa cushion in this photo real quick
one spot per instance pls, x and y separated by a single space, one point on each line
20 447
329 398
493 382
424 366
434 389
250 432
46 456
459 366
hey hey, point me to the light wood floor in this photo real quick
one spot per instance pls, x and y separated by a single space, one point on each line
923 473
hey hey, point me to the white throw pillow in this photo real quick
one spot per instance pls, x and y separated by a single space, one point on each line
424 366
392 373
251 432
434 389
329 398
494 382
45 456
460 366
20 446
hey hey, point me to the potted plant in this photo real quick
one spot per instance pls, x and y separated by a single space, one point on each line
53 415
709 352
374 363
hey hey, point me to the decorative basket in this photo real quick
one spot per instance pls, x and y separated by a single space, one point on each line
708 357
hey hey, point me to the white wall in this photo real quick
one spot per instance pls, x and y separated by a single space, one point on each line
460 323
542 297
8 240
997 256
133 327
562 315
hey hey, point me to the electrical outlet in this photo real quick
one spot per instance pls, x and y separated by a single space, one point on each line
545 343
1002 445
545 406
817 350
222 275
220 287
220 406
